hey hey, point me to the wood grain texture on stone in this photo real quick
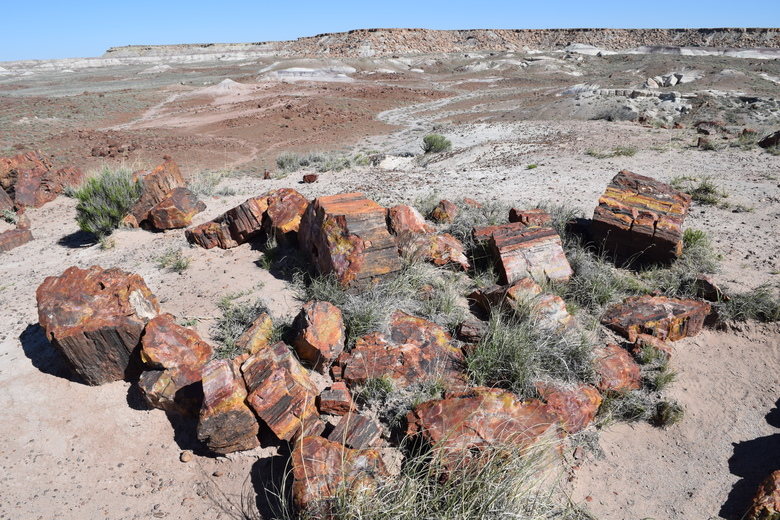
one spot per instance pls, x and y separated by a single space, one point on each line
405 220
30 164
356 431
320 334
346 235
666 318
415 350
95 318
322 468
176 210
258 336
530 217
444 212
640 218
615 369
440 249
282 393
156 185
336 400
226 423
285 209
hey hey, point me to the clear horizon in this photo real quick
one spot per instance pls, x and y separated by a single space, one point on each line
63 30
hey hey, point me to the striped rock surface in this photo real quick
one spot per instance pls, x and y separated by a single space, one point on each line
156 185
665 318
640 218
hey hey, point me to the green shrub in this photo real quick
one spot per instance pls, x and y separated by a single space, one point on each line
174 260
435 143
618 151
667 413
9 216
105 199
762 304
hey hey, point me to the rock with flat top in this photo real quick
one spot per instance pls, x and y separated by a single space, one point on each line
666 318
346 236
14 238
405 220
336 400
226 423
258 336
95 318
530 217
639 218
282 393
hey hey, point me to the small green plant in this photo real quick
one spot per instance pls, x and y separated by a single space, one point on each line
235 319
667 413
174 260
531 166
618 151
188 321
9 216
374 389
105 199
662 378
435 143
762 304
106 242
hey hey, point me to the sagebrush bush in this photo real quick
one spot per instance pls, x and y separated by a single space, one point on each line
436 143
105 199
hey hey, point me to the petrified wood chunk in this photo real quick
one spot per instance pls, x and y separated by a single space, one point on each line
31 164
549 308
640 218
464 423
766 503
520 252
356 431
615 369
666 318
320 337
346 235
95 317
405 220
439 249
13 238
34 188
177 355
258 336
226 423
336 400
281 392
575 406
530 217
176 210
156 185
445 211
322 468
646 341
285 210
415 350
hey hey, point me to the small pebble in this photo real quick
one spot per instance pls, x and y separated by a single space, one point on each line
185 456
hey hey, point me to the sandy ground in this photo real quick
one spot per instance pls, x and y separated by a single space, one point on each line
73 451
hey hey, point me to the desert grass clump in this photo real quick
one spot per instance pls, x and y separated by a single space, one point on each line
761 304
679 278
667 413
633 406
618 151
9 216
105 199
174 260
435 143
290 162
235 318
205 182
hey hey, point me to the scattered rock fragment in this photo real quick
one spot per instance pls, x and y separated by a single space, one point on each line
95 318
665 318
346 235
156 186
176 210
356 431
615 369
310 178
258 336
575 406
707 289
646 341
29 179
226 423
336 400
444 212
640 218
6 202
766 503
549 308
440 249
14 238
405 220
770 140
320 336
530 217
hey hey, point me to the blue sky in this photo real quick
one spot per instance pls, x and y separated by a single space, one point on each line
58 29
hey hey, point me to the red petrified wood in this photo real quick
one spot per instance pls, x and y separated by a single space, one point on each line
176 210
530 217
95 317
336 400
346 235
14 238
440 249
320 337
405 220
616 370
445 211
156 185
356 431
766 503
575 406
640 218
226 423
665 318
281 393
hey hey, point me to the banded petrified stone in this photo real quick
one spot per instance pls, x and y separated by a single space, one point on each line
414 351
462 424
356 431
549 308
320 334
346 235
322 468
530 217
226 424
156 185
574 405
176 210
520 252
95 317
258 336
640 218
281 393
28 164
336 400
665 318
615 369
14 238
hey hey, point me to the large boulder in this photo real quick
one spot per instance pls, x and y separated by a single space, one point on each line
520 251
95 318
176 210
175 356
156 186
282 393
615 369
276 212
574 405
226 424
320 334
415 350
462 424
640 218
346 235
766 503
665 318
322 469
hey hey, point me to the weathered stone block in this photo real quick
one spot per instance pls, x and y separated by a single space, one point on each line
615 369
320 336
575 406
176 210
665 318
356 431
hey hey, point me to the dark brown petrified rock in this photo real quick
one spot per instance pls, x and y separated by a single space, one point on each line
356 431
336 400
30 164
575 406
176 210
320 337
530 217
14 238
346 235
281 393
95 317
414 351
226 423
615 369
322 468
665 318
640 218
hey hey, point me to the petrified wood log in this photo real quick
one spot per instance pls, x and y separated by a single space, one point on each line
226 423
574 405
665 318
640 218
156 185
530 217
346 235
176 210
320 334
281 393
258 336
95 317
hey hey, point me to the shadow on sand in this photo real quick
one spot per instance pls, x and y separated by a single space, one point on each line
43 355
